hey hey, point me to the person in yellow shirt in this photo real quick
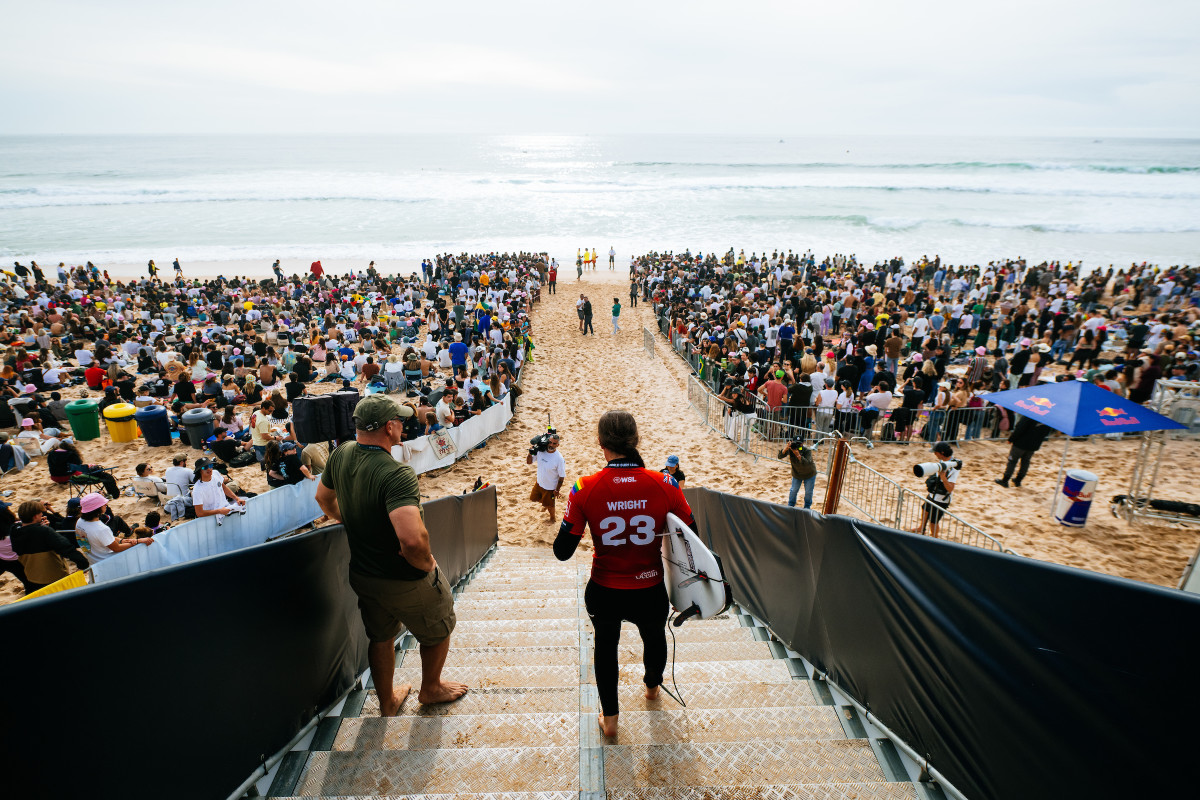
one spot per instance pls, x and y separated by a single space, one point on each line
484 280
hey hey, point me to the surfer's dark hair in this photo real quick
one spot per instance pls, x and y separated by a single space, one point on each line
618 432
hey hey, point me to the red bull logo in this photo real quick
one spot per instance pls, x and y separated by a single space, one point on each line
1114 416
1036 405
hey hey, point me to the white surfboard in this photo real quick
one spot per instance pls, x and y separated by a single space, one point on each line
695 582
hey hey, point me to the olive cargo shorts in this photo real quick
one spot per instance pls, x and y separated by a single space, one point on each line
424 606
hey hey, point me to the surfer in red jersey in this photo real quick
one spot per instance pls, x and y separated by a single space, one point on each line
625 506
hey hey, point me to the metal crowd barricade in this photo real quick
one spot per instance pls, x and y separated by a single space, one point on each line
648 341
882 500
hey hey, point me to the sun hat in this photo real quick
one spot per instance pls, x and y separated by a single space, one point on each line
92 501
672 461
917 358
981 351
1043 348
1026 342
27 423
29 388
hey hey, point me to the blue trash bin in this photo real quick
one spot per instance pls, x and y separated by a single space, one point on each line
155 425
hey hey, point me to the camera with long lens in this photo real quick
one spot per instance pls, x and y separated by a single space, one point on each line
542 443
933 467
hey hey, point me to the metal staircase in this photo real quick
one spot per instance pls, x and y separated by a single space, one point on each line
756 724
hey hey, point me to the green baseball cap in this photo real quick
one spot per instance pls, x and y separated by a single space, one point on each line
376 410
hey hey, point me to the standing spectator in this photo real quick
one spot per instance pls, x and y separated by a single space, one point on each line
391 570
616 313
211 497
804 471
674 470
1025 440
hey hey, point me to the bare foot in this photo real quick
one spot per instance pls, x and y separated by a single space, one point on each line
651 692
608 725
399 695
445 692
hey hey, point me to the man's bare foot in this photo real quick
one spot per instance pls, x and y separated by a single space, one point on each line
651 692
445 692
608 725
399 695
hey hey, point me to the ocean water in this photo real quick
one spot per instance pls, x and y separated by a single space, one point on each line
971 200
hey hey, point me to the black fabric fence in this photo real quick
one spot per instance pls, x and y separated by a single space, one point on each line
1018 678
179 682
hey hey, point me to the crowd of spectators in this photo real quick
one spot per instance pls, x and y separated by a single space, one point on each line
452 339
894 349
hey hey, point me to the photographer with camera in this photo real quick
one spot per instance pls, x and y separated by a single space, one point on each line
804 471
941 477
551 470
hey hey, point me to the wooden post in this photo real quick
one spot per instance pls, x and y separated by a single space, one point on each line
837 471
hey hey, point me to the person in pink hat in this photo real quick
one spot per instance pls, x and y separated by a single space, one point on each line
102 543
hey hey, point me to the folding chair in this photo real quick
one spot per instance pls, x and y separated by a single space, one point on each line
143 488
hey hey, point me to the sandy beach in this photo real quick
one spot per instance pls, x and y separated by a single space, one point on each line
574 378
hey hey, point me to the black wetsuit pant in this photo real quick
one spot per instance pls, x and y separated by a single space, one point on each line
645 608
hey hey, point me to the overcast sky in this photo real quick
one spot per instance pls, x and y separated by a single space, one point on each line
1045 67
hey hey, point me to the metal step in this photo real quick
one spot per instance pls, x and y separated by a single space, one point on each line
473 601
675 725
512 656
380 773
695 652
462 731
715 672
514 625
821 791
484 677
490 700
741 764
515 612
467 637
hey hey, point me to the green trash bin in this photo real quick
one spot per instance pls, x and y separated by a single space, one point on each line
84 419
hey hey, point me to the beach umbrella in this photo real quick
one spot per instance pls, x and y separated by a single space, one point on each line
1078 408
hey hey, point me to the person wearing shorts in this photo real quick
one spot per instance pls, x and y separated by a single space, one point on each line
939 498
392 570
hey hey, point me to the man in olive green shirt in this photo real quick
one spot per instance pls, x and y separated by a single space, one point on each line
392 570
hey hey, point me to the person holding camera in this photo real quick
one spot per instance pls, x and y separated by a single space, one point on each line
940 484
551 471
804 471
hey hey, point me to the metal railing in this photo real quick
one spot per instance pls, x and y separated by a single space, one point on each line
882 500
896 425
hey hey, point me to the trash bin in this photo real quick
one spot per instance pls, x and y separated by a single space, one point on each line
155 425
84 419
119 418
198 424
1074 498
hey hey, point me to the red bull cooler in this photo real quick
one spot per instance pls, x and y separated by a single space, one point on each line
1074 499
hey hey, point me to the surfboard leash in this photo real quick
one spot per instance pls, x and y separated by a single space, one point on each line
677 695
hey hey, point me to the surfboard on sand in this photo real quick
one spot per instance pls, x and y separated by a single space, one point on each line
695 582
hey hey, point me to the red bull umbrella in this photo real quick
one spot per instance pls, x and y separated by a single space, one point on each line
1077 408
1081 409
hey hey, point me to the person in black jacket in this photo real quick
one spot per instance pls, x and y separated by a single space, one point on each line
1024 441
43 551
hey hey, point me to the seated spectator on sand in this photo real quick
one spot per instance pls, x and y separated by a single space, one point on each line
43 551
12 456
230 450
314 455
145 474
65 461
284 466
180 474
102 543
210 495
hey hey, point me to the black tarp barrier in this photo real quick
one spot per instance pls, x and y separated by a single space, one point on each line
1017 678
178 682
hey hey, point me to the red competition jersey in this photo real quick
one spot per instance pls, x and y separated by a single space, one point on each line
625 507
